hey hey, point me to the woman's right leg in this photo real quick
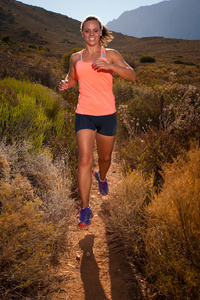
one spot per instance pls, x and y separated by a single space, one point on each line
85 141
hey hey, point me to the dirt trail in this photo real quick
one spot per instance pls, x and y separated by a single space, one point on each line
96 267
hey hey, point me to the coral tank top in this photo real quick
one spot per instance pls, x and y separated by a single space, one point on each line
95 89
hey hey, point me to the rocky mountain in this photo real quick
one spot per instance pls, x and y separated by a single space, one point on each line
170 19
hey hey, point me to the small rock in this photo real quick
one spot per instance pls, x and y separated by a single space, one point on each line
78 258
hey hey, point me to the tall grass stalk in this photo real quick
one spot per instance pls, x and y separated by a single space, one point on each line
160 231
129 202
36 205
173 236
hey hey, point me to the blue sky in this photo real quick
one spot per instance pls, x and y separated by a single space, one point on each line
107 10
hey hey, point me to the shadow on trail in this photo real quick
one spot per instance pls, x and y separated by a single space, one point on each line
90 271
124 285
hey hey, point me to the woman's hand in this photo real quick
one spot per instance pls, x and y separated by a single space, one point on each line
101 65
63 85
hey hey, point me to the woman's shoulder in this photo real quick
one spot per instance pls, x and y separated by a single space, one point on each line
75 56
111 53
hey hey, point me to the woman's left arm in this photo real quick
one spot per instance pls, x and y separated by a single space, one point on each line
117 64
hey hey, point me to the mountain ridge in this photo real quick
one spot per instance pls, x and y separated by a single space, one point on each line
169 19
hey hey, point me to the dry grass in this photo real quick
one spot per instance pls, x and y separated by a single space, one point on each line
173 236
162 235
22 63
35 213
129 202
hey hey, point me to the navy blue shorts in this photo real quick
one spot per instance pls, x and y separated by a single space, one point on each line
105 125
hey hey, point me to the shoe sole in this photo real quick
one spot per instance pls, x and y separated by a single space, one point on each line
84 225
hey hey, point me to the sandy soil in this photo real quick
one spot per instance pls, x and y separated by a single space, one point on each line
96 268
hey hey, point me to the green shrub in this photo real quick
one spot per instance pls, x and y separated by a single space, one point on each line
66 58
147 59
6 39
44 48
36 114
31 46
180 62
29 112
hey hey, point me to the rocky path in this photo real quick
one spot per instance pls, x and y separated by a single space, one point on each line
96 268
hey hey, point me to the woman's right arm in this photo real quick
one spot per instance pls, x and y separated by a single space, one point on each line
71 77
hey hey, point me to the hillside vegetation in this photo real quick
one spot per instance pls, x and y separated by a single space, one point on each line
158 141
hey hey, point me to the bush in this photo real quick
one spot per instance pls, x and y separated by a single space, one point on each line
184 115
141 107
132 196
148 151
36 114
43 74
66 59
44 48
138 108
6 39
179 123
160 231
123 91
173 236
180 62
25 32
147 59
22 68
29 112
34 219
31 46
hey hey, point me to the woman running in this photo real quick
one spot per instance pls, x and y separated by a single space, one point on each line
93 68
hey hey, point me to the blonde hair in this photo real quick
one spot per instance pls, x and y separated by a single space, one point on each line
106 36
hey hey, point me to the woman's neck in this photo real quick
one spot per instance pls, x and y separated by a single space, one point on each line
92 49
91 53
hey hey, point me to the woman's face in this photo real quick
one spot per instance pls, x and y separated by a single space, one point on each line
91 32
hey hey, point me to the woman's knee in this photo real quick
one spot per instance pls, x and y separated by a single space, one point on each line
105 158
85 161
